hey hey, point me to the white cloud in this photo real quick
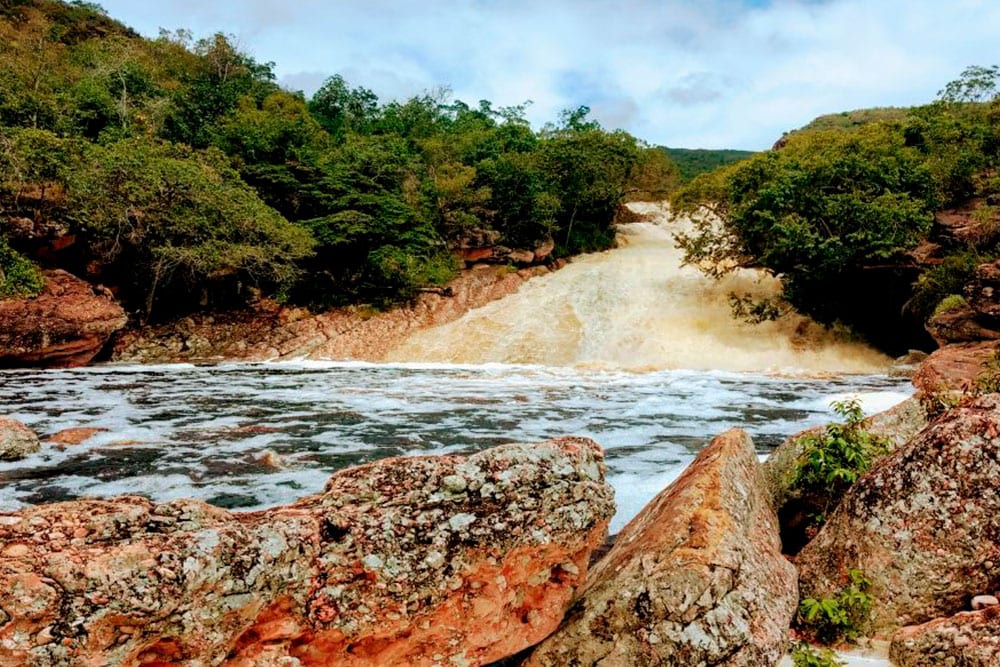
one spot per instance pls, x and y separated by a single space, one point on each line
711 73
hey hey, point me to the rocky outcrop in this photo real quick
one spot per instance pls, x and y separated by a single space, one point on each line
274 332
16 440
959 325
954 368
417 561
894 427
697 578
923 525
66 325
969 639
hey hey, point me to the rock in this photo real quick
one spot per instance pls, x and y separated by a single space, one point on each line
907 364
923 525
544 251
16 440
521 256
961 325
395 563
74 436
969 639
895 426
66 325
697 578
953 368
983 292
983 601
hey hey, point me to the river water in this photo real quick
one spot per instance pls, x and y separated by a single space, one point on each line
627 347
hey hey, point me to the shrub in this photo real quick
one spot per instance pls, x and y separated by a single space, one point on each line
18 276
950 303
833 460
804 655
842 617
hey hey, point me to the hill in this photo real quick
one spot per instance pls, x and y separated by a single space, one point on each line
693 161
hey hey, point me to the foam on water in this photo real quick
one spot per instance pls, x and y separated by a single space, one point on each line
200 431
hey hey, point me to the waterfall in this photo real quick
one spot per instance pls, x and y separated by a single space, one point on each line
635 307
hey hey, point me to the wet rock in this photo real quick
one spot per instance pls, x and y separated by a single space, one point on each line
969 639
923 525
66 325
961 325
954 368
390 565
74 436
544 251
521 256
697 578
16 440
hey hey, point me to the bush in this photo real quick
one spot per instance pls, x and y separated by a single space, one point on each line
842 617
833 460
804 655
18 276
950 303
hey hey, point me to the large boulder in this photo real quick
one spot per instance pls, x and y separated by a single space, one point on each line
923 525
418 561
66 325
697 578
955 368
16 440
969 639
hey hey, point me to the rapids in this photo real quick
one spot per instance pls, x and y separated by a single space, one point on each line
635 307
623 346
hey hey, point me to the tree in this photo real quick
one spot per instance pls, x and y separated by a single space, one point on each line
976 84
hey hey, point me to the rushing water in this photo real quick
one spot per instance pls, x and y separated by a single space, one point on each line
613 330
207 431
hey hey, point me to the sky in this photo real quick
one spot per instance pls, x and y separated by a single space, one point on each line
679 73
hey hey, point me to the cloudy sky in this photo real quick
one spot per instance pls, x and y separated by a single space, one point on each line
682 73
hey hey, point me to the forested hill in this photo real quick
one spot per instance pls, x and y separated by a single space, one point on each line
177 166
693 161
875 218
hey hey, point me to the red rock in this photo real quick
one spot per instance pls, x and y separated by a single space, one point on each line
74 436
66 325
408 561
969 639
697 578
953 368
923 525
544 251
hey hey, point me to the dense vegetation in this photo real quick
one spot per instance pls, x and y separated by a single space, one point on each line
694 161
835 209
179 166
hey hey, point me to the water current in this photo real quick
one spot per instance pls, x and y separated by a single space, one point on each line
628 347
211 432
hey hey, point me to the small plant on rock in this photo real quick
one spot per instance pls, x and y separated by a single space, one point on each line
804 655
834 459
842 617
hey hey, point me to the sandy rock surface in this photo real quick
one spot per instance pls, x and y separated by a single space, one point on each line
418 561
16 440
697 578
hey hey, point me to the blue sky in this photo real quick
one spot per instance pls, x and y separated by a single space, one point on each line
683 73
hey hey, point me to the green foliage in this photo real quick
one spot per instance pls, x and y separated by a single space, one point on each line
938 282
18 276
692 162
834 459
950 303
976 84
842 617
804 655
988 379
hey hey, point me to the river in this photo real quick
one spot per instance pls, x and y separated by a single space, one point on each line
640 354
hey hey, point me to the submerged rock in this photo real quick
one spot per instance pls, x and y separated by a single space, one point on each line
66 325
923 525
418 561
697 578
16 440
969 639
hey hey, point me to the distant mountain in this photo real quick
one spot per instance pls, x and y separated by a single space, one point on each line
694 161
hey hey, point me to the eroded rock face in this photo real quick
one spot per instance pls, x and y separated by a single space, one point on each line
923 525
969 639
16 440
954 368
66 325
417 561
697 578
